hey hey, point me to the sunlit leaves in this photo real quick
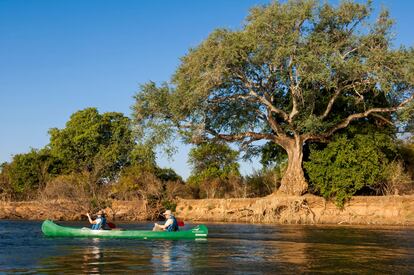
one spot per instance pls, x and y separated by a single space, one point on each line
349 163
91 140
212 161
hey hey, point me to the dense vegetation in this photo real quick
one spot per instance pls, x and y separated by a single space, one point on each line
296 73
321 86
361 160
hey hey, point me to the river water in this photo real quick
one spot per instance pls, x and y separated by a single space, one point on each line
230 248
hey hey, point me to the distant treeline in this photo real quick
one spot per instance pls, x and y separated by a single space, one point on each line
97 156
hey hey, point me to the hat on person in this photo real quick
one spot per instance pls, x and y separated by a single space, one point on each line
101 212
167 212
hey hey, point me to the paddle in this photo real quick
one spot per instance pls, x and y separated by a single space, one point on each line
180 223
111 225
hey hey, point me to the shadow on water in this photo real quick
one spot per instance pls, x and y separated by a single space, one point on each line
230 248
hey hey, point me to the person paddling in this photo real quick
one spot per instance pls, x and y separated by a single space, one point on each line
99 222
170 225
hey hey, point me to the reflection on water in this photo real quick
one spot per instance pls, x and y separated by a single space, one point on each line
93 258
231 248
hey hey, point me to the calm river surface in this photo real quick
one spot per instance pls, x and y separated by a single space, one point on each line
230 248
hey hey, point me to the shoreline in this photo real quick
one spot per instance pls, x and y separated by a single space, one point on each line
273 209
308 209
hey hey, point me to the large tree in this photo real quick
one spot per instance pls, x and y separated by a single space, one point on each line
94 142
295 73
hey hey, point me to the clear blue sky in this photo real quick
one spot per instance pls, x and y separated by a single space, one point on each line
58 57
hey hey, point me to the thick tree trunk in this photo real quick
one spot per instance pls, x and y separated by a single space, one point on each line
293 181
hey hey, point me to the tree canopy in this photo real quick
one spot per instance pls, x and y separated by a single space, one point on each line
212 161
93 141
296 72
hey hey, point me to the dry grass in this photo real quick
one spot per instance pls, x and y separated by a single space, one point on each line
398 181
66 187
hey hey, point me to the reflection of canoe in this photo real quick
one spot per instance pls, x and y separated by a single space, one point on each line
51 229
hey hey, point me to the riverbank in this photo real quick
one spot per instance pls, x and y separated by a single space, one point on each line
308 209
64 210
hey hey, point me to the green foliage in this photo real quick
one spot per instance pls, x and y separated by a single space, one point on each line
146 182
398 181
153 117
143 156
212 161
297 71
272 155
30 171
167 174
6 190
167 204
263 182
406 149
222 84
349 163
93 142
137 182
215 170
93 148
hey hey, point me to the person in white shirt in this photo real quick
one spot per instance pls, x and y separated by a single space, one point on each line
170 225
99 222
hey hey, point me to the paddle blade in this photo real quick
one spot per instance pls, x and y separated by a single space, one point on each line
180 223
111 225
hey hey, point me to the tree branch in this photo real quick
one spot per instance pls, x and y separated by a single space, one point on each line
242 136
233 97
337 93
294 80
315 137
274 125
294 91
350 118
262 99
330 104
269 105
343 56
382 118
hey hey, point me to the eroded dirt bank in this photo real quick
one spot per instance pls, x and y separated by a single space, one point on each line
387 210
70 211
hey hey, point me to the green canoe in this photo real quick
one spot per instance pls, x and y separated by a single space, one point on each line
51 229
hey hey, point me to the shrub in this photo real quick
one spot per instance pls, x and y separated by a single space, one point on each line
176 189
397 180
6 190
171 205
263 182
347 165
29 172
406 150
213 188
215 172
140 182
66 187
136 182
